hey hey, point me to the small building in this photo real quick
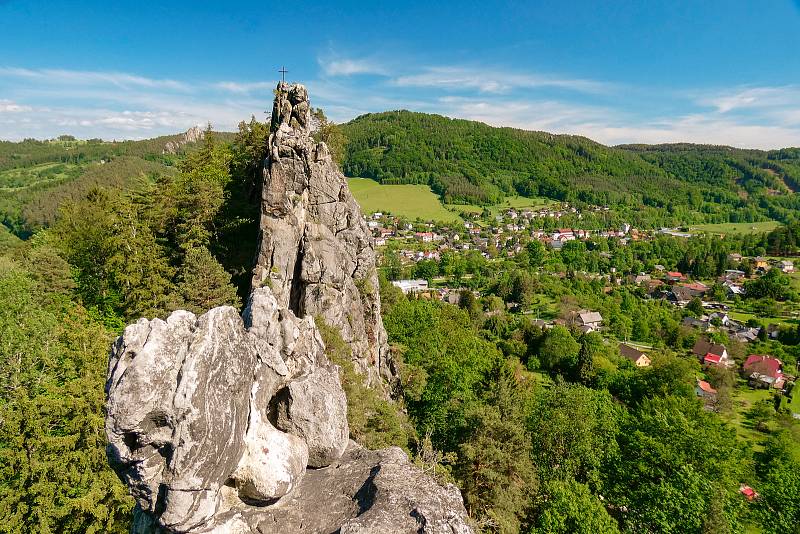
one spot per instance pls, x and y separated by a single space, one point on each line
411 286
704 390
675 276
680 295
761 364
424 237
749 493
786 266
703 347
590 319
761 263
639 358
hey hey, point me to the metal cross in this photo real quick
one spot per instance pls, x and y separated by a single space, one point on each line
283 72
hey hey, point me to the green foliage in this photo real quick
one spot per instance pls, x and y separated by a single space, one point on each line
374 422
53 472
494 468
559 350
570 508
675 458
203 283
470 162
573 432
439 343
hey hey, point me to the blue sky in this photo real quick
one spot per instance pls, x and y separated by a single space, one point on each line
723 72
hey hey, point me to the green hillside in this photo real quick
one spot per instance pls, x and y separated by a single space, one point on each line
471 162
36 177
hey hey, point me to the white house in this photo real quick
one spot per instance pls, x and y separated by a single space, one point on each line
411 286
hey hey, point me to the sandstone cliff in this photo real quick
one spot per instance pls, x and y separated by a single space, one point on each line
315 251
238 424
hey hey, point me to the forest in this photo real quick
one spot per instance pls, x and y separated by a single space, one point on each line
471 162
544 431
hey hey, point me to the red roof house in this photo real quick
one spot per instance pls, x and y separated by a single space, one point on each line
765 365
712 359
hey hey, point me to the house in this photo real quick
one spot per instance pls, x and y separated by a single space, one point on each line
733 289
761 263
638 357
786 266
733 274
681 295
424 237
640 278
698 289
704 390
749 493
734 257
746 334
763 366
703 346
691 322
411 286
675 276
590 319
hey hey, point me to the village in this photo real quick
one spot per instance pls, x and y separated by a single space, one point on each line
712 305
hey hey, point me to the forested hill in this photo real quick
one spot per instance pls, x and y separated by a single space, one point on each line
36 177
472 162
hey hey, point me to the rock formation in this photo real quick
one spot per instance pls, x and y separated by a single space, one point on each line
315 251
192 135
238 424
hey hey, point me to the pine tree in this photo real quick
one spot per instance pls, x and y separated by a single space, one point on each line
204 283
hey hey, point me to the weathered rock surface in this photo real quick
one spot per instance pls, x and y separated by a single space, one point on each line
192 135
221 423
238 424
315 250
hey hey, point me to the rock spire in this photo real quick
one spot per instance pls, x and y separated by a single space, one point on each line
232 424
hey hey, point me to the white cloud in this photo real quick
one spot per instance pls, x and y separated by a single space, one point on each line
77 77
488 80
245 87
349 67
753 98
7 106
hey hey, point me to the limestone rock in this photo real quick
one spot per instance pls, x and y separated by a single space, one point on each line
315 250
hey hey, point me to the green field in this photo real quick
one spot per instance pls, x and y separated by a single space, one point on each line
418 201
736 228
411 201
15 179
509 202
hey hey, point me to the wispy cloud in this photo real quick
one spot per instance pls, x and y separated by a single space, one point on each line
244 87
48 102
7 106
350 67
494 80
754 97
77 77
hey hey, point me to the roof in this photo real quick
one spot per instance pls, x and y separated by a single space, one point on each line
705 386
675 274
712 358
763 364
696 286
630 353
704 346
682 293
590 317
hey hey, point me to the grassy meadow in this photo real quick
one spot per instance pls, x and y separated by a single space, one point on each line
411 201
736 228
